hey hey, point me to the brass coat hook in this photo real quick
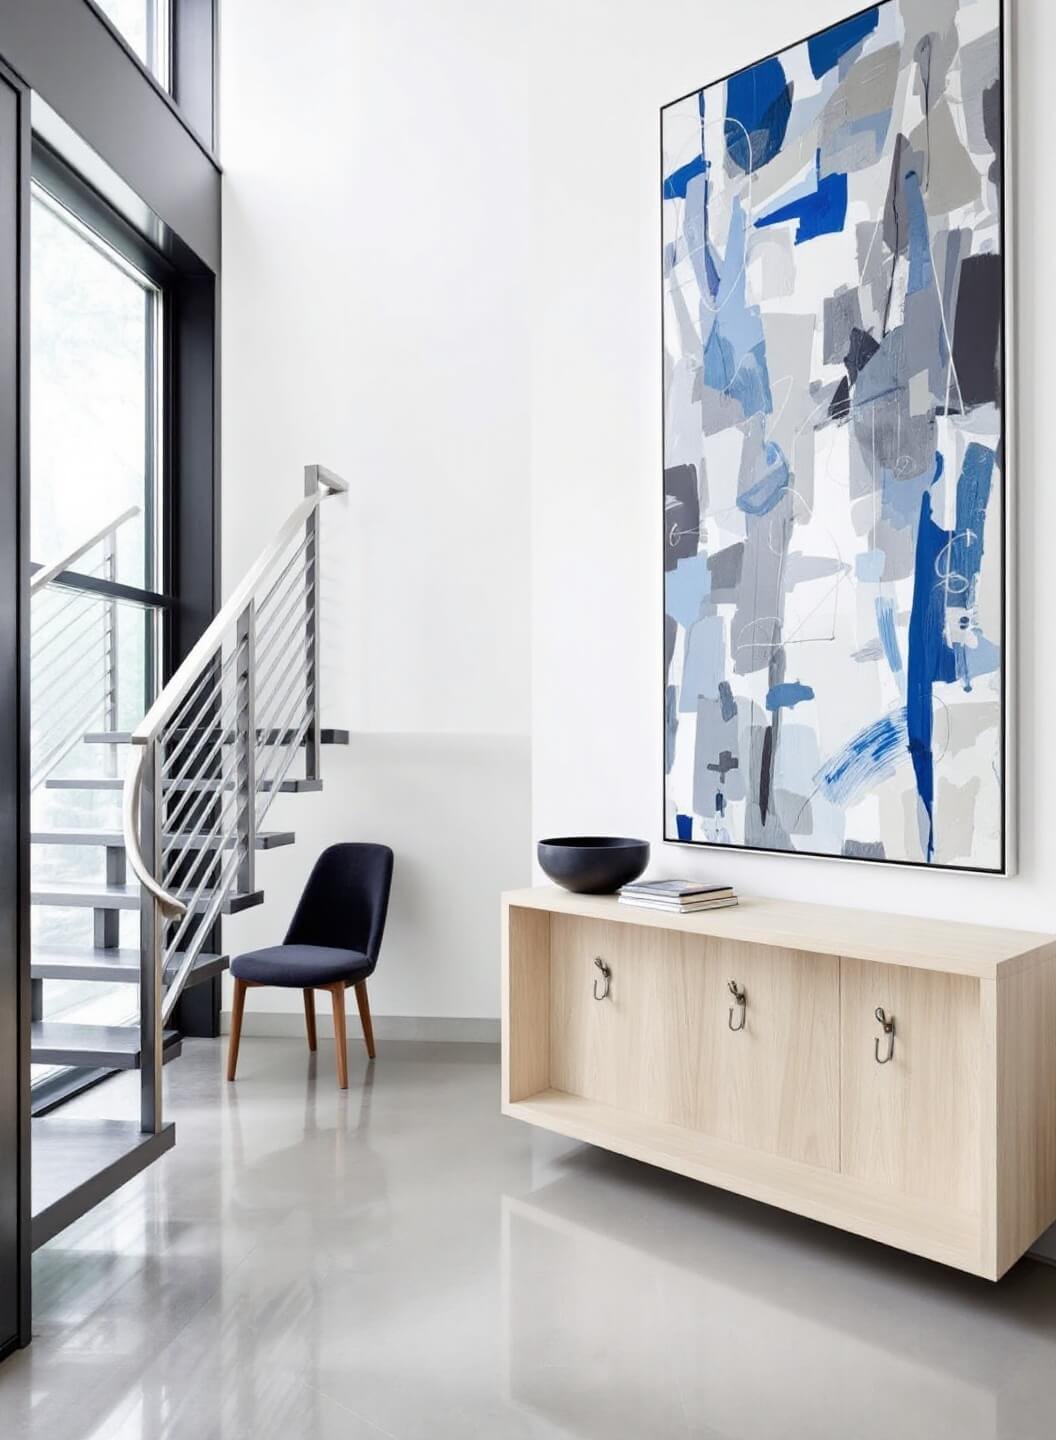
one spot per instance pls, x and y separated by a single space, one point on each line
888 1027
740 1002
607 980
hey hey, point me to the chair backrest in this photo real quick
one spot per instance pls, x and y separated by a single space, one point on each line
345 900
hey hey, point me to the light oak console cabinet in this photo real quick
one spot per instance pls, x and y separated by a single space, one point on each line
946 1149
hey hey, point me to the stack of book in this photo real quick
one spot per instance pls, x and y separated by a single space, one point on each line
678 897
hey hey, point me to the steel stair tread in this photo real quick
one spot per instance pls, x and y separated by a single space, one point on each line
85 962
78 1162
111 1047
125 897
114 839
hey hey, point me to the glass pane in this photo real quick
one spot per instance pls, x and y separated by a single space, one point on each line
144 26
91 663
92 395
95 326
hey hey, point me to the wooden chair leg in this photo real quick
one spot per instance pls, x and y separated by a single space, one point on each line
340 1036
364 1017
309 1018
237 1009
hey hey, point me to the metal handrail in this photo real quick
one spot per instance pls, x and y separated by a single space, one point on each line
47 573
320 483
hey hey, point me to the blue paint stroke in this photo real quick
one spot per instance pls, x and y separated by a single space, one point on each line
870 565
788 695
931 659
973 496
684 827
869 757
822 212
760 101
735 350
745 379
825 49
975 661
761 497
921 273
677 183
885 625
686 587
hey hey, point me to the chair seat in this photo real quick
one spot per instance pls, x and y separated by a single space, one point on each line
300 966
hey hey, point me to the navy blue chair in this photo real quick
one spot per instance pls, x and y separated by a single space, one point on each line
333 942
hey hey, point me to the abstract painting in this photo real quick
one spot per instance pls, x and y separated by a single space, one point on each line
834 445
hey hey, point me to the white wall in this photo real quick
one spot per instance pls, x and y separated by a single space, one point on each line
375 319
402 303
596 632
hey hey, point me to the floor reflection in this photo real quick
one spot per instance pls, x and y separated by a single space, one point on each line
401 1261
639 1303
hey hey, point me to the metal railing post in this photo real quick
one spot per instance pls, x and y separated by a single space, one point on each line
110 570
246 746
313 611
151 938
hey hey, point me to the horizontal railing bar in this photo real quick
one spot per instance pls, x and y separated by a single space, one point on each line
97 654
203 853
269 794
47 573
73 634
59 752
227 873
176 984
301 697
203 697
190 833
64 706
293 599
294 651
48 619
211 784
280 634
298 676
266 600
223 704
201 843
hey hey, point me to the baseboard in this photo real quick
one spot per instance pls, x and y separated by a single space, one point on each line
282 1024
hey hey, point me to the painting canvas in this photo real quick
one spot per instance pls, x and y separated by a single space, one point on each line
834 445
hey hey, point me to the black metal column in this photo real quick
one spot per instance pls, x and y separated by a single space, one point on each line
15 997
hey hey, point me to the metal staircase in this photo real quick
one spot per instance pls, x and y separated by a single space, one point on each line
237 724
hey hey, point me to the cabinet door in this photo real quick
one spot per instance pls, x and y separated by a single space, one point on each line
637 1049
912 1124
773 1086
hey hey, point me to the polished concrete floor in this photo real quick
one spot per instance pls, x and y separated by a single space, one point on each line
401 1261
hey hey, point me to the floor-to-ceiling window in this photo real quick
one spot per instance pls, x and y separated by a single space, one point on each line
97 327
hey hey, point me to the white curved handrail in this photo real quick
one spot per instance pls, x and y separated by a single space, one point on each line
47 573
320 483
170 907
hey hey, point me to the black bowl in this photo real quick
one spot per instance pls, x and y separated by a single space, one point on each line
593 864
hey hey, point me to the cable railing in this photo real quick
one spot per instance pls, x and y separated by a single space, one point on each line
73 651
210 756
